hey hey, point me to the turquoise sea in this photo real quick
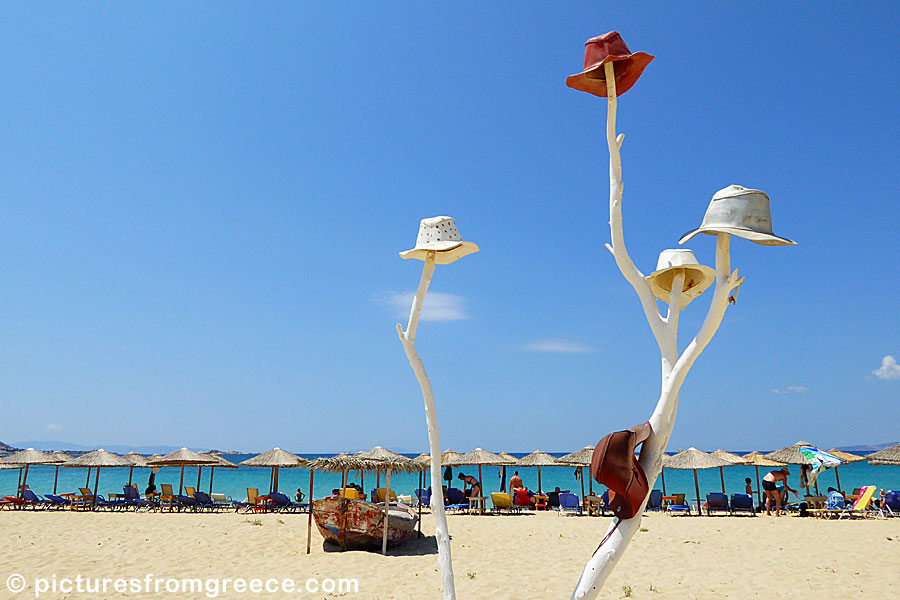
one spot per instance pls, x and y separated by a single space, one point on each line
234 482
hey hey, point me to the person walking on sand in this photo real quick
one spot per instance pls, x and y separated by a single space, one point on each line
770 489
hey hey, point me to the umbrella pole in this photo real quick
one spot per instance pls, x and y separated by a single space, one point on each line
212 471
56 478
199 474
662 475
130 473
421 492
758 488
343 500
309 519
722 475
96 482
275 488
181 481
387 505
377 479
19 483
362 480
480 492
836 476
22 485
87 482
540 489
697 489
581 477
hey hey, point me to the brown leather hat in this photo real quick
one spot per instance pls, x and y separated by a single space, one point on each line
614 465
609 47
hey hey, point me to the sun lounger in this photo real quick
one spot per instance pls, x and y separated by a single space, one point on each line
654 501
742 502
568 504
502 502
716 501
891 504
860 508
678 507
424 497
55 501
281 503
254 502
132 498
456 500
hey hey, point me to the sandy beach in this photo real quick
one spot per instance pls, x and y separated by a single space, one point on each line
510 557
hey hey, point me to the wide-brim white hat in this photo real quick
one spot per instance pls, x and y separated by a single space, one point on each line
741 212
697 277
440 235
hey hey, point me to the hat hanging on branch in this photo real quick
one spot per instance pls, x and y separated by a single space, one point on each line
440 235
609 47
671 262
742 212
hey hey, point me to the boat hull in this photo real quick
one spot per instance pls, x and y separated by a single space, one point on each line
354 524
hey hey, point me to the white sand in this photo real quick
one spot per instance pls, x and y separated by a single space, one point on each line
509 557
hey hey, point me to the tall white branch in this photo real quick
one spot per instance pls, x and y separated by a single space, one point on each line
674 367
408 338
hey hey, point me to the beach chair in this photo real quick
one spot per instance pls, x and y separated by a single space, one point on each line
654 501
502 502
281 503
132 498
568 504
522 499
456 500
678 507
424 497
891 503
860 508
57 502
743 502
249 504
353 494
716 501
380 494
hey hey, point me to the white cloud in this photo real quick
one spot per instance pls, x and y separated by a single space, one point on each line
792 389
889 368
55 427
562 346
437 306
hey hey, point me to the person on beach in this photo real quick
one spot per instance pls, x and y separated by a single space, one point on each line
515 483
770 489
748 487
835 499
474 490
298 497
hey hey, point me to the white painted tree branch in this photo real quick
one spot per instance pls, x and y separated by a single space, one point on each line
674 367
408 338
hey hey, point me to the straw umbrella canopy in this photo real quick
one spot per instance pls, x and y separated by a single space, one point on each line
694 459
29 457
734 459
791 455
887 456
339 463
98 459
423 459
508 457
756 459
275 459
581 459
220 463
539 459
181 458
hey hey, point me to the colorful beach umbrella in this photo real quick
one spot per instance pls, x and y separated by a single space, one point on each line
821 461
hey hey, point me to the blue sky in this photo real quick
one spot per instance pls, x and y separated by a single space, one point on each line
203 205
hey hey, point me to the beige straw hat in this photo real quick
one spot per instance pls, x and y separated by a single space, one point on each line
440 235
697 277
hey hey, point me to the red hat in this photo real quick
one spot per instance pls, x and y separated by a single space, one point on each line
614 465
609 47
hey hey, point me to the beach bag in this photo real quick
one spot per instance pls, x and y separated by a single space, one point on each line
614 465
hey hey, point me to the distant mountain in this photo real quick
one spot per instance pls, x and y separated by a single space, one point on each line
867 448
4 448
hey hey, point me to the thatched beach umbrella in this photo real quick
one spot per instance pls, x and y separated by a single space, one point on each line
539 459
136 460
98 459
581 459
756 459
181 458
887 456
513 460
390 461
734 459
275 459
64 458
340 463
481 458
694 459
27 458
221 463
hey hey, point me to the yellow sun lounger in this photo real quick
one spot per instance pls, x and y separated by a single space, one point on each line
860 508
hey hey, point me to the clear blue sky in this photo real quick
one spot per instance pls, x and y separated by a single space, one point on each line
203 205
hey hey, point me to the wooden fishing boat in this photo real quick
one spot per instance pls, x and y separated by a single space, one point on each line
354 524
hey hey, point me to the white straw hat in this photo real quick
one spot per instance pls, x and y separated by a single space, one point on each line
697 277
742 212
440 235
